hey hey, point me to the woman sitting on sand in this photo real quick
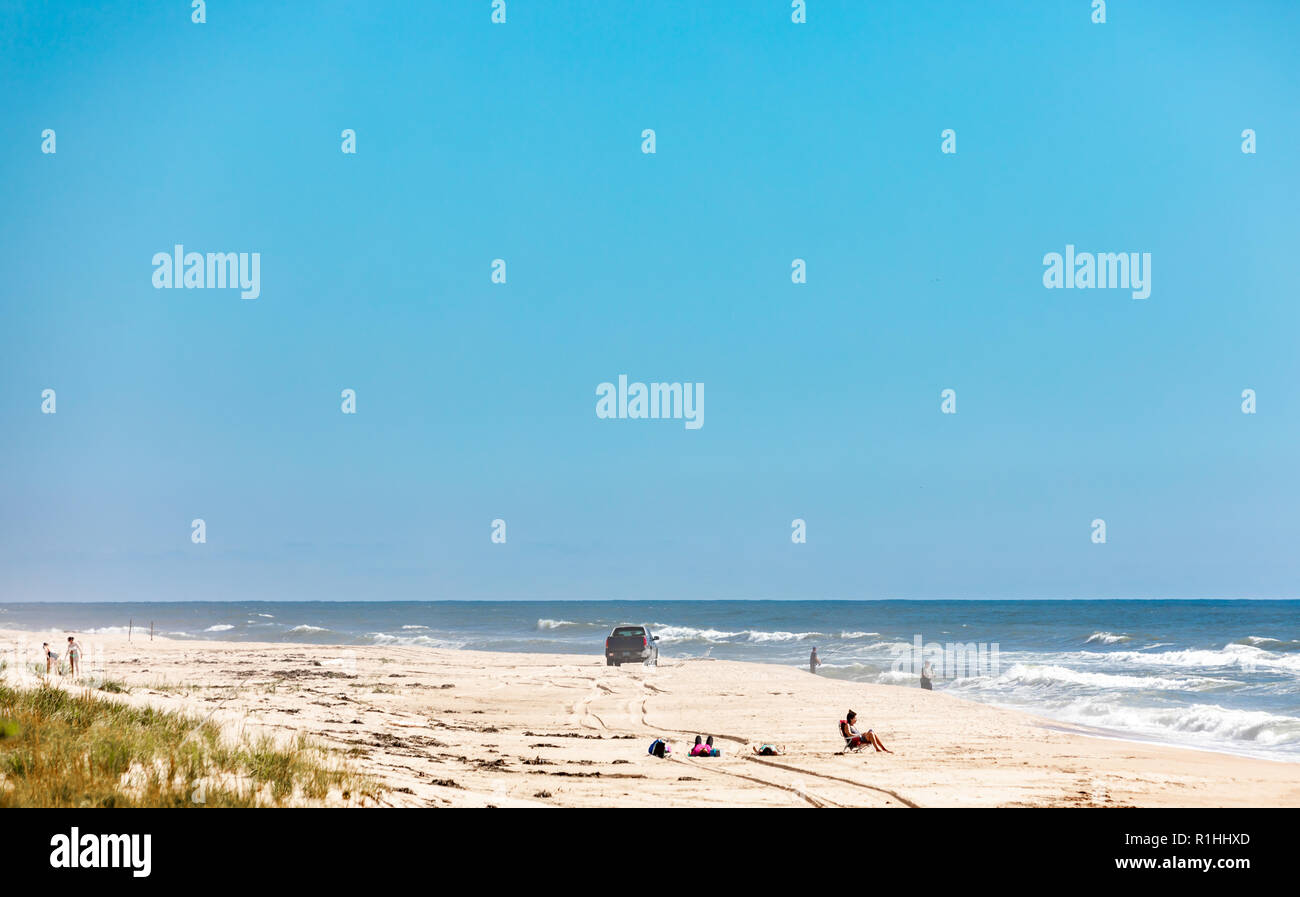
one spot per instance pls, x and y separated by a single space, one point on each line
855 739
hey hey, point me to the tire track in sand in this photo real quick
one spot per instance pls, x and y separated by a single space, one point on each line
795 769
801 793
637 708
581 711
822 775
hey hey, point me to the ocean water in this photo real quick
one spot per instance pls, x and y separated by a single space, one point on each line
1222 675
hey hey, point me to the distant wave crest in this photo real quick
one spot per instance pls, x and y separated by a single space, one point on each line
1205 720
554 624
425 641
1021 674
668 633
1246 657
1270 644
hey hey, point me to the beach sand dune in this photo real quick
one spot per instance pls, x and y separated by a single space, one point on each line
462 728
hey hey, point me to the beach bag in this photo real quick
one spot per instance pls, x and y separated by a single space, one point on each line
659 747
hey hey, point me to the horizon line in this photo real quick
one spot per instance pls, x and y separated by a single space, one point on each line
598 600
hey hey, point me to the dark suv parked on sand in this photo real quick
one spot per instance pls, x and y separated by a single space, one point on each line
631 644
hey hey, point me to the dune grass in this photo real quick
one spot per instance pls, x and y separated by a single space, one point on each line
65 749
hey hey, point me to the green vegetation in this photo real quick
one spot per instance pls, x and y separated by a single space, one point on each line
60 749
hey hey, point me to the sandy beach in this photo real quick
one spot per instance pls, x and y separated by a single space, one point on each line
464 728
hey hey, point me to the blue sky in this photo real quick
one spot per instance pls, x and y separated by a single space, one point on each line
477 401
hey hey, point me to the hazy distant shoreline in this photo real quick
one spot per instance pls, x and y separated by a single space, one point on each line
1215 675
470 728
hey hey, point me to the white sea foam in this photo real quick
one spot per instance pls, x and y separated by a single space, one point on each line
122 630
384 638
759 637
1246 657
754 636
1034 675
895 647
691 634
1107 638
219 627
897 677
1275 644
554 624
305 628
1203 721
415 627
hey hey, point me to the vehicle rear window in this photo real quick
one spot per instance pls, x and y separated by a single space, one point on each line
629 630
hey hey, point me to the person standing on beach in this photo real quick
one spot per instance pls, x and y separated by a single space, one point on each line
927 677
50 657
813 662
74 655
